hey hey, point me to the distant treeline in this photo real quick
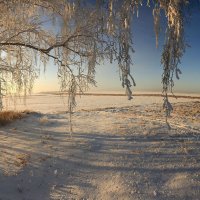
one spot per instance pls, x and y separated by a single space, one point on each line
117 94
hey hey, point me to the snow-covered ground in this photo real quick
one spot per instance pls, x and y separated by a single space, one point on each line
50 103
119 149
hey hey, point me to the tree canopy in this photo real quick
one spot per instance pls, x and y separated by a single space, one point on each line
78 35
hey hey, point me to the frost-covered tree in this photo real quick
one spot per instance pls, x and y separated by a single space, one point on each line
78 35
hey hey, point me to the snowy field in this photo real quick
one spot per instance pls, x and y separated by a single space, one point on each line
50 103
119 150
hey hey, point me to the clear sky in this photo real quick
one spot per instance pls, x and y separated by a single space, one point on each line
147 69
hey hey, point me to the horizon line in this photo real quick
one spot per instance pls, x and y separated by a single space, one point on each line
147 94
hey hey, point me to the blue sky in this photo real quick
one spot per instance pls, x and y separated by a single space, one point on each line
147 69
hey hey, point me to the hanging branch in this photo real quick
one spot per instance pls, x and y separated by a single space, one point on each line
174 49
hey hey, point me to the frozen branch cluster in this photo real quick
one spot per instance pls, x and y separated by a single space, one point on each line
78 35
174 45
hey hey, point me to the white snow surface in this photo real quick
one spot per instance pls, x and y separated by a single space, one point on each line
119 150
50 103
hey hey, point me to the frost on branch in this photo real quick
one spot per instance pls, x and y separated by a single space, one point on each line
174 47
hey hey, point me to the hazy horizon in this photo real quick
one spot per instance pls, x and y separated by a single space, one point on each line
121 92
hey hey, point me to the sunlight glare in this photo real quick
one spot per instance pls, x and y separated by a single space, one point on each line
3 54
